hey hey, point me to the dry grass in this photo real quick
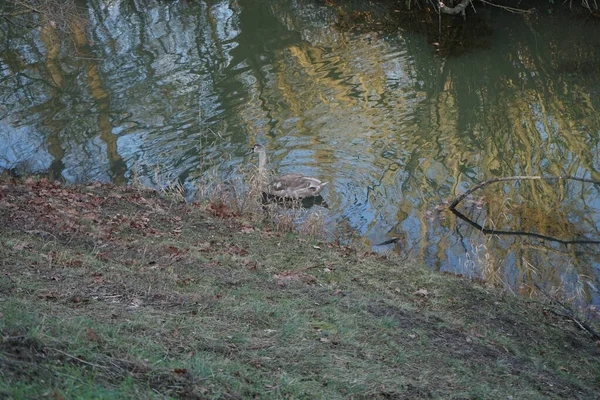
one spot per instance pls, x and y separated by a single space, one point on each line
489 268
244 194
119 293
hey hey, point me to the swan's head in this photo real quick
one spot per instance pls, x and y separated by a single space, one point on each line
257 148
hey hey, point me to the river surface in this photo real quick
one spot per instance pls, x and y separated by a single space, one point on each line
400 118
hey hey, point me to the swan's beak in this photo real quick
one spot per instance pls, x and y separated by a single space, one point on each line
250 151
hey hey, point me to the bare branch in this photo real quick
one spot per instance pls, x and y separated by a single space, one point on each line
458 199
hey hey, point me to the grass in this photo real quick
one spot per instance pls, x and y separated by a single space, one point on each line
115 292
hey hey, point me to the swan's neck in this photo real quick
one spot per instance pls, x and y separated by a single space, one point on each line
262 162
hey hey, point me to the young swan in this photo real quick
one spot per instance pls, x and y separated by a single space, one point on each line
291 186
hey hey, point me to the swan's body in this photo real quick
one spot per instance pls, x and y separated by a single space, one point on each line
290 186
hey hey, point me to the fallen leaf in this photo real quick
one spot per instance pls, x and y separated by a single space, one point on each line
247 229
57 396
97 277
21 246
92 335
173 250
209 264
204 246
49 295
237 250
180 370
293 276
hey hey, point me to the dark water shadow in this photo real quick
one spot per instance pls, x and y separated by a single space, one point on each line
307 202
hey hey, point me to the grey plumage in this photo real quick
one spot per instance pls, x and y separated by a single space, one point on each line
292 186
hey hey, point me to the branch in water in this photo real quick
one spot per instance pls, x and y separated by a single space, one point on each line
458 199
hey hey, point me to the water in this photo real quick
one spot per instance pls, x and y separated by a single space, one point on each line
398 119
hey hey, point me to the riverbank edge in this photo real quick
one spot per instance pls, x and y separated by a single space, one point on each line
121 292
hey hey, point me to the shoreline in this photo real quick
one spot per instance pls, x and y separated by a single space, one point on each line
115 291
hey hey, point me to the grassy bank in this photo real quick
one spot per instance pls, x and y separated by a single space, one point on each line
113 292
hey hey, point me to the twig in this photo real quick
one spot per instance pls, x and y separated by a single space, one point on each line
77 358
568 313
393 240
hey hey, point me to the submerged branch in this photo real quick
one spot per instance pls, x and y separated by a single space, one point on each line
458 199
519 233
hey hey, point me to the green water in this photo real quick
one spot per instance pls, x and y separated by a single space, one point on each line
400 119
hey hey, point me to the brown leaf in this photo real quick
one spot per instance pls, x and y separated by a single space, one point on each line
180 371
294 276
97 277
247 229
49 295
103 257
75 263
204 246
237 250
21 246
92 335
173 250
209 264
57 396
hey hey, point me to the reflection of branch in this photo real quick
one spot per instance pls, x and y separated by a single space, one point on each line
460 198
516 233
510 9
28 7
